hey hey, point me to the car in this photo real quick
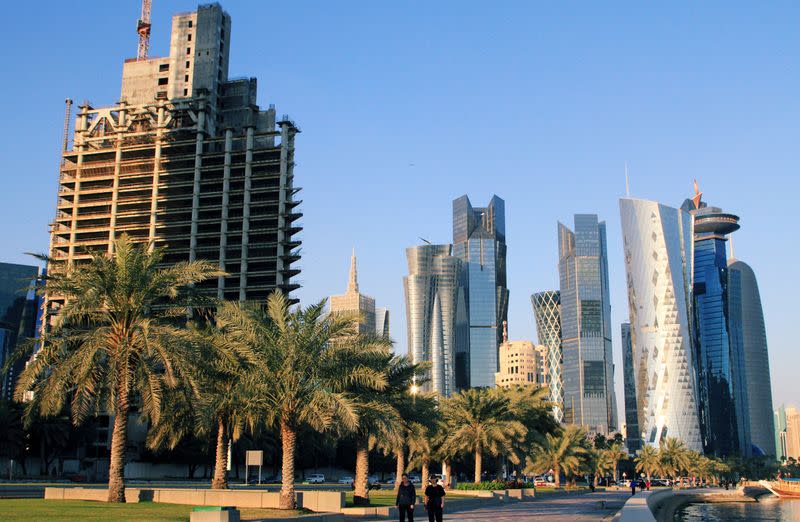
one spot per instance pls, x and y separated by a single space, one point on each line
373 479
316 478
389 481
347 479
415 479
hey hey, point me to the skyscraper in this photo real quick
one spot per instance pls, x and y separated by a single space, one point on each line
547 313
718 367
382 321
658 247
587 371
354 302
20 309
187 161
749 337
633 436
436 316
479 240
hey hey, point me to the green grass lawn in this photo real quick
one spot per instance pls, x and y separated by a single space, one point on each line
30 510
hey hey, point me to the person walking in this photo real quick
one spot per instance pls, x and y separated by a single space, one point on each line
633 487
406 498
434 500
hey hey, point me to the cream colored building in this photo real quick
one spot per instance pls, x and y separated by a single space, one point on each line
792 432
355 302
521 364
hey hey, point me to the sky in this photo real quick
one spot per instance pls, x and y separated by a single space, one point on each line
406 105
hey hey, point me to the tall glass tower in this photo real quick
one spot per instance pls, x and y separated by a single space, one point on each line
719 368
587 371
749 337
633 436
658 247
479 240
547 312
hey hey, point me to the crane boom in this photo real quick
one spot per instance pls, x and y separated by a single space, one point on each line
143 28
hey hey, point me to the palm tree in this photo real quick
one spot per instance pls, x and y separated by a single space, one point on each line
530 406
563 451
307 365
648 461
614 454
113 339
674 456
12 436
480 421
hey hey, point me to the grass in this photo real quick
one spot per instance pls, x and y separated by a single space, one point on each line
35 510
383 498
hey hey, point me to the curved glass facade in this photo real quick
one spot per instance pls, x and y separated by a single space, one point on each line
632 432
547 313
658 243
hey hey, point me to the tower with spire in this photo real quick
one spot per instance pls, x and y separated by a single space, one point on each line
354 302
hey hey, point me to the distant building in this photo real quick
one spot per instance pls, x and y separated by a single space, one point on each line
479 241
658 249
520 364
20 313
792 433
749 337
633 436
780 433
436 316
382 322
719 367
547 313
587 370
354 302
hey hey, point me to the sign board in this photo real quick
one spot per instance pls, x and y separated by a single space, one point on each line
254 458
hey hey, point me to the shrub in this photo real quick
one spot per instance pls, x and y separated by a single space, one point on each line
493 485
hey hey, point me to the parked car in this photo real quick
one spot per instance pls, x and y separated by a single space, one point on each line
389 481
373 479
346 480
316 478
415 479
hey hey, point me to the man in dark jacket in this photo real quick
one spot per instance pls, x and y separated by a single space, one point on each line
434 500
406 498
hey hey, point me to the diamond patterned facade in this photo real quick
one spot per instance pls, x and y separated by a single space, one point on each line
547 312
658 243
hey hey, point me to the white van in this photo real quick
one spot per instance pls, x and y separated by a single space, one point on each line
316 478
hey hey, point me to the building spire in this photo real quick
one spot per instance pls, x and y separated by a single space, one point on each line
697 195
733 255
352 285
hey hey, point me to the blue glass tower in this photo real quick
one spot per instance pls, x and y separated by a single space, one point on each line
20 316
719 366
479 240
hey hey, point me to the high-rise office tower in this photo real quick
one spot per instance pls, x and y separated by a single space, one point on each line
354 302
185 160
749 338
658 247
547 313
718 366
780 434
792 432
587 370
436 316
382 321
479 240
633 436
20 313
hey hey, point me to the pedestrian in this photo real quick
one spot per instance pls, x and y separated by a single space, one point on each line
633 487
406 498
647 484
434 500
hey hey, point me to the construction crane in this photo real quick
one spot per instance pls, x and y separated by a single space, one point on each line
143 28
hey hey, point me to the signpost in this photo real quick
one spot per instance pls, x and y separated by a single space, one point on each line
253 458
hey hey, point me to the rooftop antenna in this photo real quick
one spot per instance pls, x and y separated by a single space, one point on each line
627 181
67 113
733 255
143 28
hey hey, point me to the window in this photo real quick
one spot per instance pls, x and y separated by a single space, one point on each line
186 92
163 81
190 23
189 37
188 50
186 77
187 64
163 67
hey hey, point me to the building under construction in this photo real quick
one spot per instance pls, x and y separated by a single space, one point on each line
187 161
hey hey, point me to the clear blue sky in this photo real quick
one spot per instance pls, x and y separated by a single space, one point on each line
540 103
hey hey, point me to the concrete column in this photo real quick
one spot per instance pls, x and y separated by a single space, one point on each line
81 147
151 236
223 226
282 189
112 225
248 179
198 164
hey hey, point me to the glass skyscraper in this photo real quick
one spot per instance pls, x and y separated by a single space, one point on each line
479 240
20 315
547 312
658 247
436 316
587 371
749 338
633 436
719 367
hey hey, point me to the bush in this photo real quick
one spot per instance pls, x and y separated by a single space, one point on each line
493 485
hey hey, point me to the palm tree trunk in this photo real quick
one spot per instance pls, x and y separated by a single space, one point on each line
478 464
289 444
361 493
220 480
425 473
400 455
119 438
557 476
